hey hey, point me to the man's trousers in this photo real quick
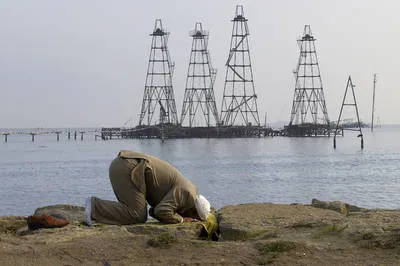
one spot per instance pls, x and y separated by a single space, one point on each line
131 207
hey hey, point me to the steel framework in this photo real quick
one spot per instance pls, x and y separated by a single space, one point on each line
349 103
158 91
199 107
309 105
239 103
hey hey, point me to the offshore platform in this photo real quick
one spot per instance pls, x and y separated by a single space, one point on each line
199 117
199 107
238 116
309 115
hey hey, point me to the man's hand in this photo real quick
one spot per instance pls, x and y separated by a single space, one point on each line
189 219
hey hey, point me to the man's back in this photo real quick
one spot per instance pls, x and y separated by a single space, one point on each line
162 179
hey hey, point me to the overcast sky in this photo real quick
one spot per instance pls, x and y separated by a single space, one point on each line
83 63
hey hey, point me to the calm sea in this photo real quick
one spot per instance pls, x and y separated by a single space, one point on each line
226 171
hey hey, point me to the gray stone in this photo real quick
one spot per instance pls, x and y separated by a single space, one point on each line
337 206
74 214
252 220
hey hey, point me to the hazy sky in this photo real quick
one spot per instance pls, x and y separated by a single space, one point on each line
83 63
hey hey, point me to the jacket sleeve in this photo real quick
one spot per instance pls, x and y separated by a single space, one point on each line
167 210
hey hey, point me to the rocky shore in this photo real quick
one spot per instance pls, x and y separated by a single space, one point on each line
321 233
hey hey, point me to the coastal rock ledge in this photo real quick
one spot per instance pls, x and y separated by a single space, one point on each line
251 234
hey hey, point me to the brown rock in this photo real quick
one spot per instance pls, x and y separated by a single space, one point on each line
74 214
337 206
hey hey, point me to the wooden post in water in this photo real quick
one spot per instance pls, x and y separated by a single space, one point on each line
5 136
58 135
362 142
75 135
69 134
33 136
82 132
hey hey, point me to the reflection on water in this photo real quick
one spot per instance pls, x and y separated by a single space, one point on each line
227 171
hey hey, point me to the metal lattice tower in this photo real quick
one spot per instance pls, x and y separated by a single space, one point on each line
158 95
349 101
239 103
199 105
309 105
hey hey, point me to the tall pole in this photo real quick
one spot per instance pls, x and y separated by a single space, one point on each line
265 120
373 104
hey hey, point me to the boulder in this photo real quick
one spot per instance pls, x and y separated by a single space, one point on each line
11 224
240 222
341 207
74 214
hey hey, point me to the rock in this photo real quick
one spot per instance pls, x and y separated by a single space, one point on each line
74 214
11 224
153 227
337 206
241 222
353 208
375 228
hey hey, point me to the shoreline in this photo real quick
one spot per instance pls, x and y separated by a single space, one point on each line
251 234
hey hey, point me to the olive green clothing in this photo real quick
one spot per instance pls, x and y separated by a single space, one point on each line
137 178
131 206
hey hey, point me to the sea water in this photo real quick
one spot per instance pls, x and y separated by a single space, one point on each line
227 171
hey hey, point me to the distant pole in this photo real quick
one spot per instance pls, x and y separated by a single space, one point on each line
33 136
5 136
75 135
362 142
373 105
82 132
58 135
69 134
265 120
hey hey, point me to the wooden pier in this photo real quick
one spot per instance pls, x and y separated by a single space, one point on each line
34 134
309 130
168 131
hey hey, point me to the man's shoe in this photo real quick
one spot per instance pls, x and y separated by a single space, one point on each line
45 221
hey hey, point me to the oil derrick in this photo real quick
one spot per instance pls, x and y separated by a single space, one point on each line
158 98
199 105
309 115
349 101
239 103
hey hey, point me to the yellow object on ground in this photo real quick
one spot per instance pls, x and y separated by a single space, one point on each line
210 228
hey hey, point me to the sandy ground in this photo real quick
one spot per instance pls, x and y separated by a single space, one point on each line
251 234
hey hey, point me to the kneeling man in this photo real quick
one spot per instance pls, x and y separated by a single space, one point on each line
138 179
